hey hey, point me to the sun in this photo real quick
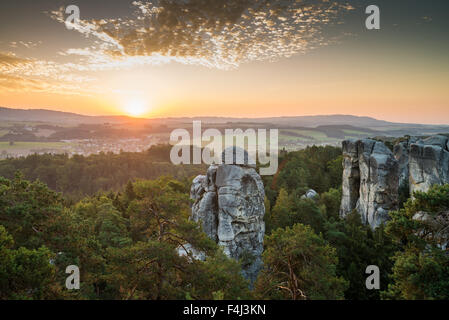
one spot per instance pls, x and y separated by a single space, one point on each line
136 108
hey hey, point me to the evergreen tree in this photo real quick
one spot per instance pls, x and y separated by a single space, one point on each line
299 265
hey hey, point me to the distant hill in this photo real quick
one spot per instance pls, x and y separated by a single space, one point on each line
324 121
297 121
328 120
43 115
7 114
31 129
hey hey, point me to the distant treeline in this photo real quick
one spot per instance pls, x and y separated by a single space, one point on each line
80 175
83 131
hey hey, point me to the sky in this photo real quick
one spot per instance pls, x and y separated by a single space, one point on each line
239 58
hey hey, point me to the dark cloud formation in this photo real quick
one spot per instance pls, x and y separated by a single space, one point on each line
218 33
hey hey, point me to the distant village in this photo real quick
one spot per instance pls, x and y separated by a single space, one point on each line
83 147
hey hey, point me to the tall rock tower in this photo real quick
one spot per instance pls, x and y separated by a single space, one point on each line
370 180
229 201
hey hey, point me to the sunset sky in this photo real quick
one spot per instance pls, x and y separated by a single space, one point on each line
240 58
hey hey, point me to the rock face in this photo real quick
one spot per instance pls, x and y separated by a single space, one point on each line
370 180
372 174
229 201
351 177
401 153
428 163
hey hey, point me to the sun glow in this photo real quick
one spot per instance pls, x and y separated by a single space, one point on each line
136 108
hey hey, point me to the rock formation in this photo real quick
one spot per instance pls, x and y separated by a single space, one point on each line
372 173
229 201
428 163
401 153
370 180
310 194
351 177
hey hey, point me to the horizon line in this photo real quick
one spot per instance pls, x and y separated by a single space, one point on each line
217 117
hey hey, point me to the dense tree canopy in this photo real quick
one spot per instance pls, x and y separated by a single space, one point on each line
299 265
79 176
126 245
127 227
421 268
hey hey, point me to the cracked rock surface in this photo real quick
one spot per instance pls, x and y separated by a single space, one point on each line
370 180
229 202
428 163
372 173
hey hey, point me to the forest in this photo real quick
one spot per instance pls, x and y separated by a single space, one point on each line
123 217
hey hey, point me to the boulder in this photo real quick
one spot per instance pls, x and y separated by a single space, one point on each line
310 194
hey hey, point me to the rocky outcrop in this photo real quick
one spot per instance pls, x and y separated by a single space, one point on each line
401 153
373 174
370 180
428 163
351 177
229 202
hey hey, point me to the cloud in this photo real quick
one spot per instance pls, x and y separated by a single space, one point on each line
21 74
217 34
26 44
10 60
220 33
14 83
33 68
24 84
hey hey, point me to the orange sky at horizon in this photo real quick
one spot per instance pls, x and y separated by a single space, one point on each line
246 93
399 73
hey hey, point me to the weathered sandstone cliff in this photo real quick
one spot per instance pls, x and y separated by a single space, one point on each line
370 180
229 201
373 174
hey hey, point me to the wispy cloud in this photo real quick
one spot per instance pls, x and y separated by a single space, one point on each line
8 59
26 44
25 74
27 84
219 33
